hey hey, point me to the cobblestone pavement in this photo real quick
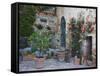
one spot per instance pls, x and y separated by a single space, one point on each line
48 65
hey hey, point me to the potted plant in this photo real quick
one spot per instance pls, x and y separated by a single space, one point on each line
40 40
86 39
74 27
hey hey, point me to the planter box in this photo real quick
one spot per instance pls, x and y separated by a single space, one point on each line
29 57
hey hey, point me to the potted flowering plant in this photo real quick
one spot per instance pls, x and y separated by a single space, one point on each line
86 29
86 25
79 30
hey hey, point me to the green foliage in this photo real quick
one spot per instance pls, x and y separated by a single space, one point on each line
75 44
27 16
40 39
26 19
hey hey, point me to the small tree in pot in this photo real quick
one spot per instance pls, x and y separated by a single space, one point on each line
40 40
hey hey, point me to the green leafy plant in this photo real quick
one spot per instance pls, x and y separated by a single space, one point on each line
27 17
75 44
40 40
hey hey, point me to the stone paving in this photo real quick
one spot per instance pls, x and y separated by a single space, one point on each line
49 64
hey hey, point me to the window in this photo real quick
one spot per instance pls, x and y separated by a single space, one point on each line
43 20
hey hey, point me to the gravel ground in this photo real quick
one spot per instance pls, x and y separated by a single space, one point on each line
48 65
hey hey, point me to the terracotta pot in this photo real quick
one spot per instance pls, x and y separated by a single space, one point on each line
39 62
77 61
61 55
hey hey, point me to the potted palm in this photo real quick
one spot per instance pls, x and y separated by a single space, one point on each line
40 40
